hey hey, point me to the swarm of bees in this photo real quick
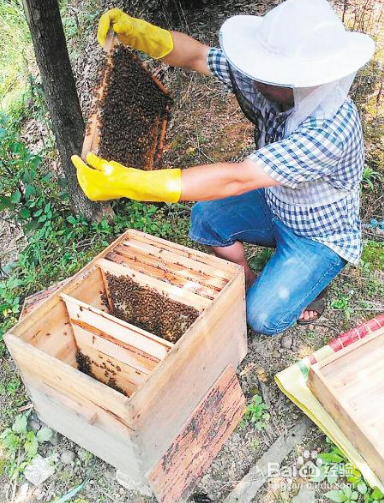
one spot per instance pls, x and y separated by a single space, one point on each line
149 309
132 112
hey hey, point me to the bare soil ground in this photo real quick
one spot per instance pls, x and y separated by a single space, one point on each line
207 126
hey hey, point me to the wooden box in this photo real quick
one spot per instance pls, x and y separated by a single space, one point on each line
168 407
350 385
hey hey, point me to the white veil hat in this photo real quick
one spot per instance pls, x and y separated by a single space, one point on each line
300 43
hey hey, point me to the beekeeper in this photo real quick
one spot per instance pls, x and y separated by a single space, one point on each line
298 192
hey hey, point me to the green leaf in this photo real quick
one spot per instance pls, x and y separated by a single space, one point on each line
31 445
72 220
354 496
15 197
29 191
16 147
20 424
377 494
24 213
5 202
362 487
11 442
5 433
70 494
35 161
44 434
336 496
336 450
330 457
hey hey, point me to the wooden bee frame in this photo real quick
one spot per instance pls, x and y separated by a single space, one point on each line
173 405
93 129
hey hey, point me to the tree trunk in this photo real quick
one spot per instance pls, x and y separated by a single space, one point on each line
44 21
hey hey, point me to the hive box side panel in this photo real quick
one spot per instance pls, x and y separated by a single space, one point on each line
87 412
178 384
91 431
198 443
354 428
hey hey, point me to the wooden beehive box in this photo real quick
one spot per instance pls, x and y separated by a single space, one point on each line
168 407
350 385
128 112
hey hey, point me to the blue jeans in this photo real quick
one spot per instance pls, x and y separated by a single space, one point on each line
295 275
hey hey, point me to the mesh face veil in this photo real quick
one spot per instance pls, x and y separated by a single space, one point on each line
321 102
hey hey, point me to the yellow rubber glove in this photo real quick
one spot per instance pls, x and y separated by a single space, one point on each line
136 33
110 180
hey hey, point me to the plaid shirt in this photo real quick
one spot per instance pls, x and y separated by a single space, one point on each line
319 167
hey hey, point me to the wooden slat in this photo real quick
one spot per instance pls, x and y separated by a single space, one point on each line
173 292
160 272
217 264
198 443
104 323
335 362
91 138
355 429
217 276
106 288
187 268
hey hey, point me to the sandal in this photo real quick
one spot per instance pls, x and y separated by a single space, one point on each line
317 305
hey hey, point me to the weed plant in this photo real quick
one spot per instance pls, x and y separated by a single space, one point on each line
19 445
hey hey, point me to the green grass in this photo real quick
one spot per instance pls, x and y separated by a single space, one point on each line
17 60
16 53
373 254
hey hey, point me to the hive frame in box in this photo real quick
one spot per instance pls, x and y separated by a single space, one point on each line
183 392
92 132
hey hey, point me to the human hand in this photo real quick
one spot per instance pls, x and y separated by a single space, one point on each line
104 180
137 33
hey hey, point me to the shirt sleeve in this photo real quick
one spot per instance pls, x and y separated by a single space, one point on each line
218 65
309 153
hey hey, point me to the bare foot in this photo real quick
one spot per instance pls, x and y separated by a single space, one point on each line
308 315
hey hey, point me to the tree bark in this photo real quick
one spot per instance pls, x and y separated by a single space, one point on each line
44 21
